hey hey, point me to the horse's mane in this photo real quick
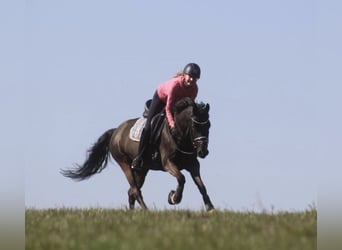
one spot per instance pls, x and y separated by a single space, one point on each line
186 102
183 104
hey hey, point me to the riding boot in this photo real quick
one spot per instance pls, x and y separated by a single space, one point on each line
138 160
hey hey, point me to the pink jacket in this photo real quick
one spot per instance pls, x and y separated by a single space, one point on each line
172 91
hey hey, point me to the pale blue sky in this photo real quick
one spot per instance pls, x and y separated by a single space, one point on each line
78 68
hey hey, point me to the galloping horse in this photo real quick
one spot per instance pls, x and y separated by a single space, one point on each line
176 151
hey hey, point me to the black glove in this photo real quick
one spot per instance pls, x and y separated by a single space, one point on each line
173 131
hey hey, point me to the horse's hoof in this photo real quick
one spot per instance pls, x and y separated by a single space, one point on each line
171 198
211 210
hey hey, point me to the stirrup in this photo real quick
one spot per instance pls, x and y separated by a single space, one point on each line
137 163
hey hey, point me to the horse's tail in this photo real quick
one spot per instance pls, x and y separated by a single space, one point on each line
96 161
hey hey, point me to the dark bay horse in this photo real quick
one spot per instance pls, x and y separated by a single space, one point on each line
176 151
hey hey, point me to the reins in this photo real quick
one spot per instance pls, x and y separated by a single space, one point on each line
185 152
180 150
194 140
200 123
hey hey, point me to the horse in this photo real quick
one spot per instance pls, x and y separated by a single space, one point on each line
177 150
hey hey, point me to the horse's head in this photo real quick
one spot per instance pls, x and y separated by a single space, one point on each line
192 120
200 128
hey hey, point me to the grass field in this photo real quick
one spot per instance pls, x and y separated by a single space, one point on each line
105 229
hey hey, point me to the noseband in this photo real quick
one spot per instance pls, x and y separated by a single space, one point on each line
199 139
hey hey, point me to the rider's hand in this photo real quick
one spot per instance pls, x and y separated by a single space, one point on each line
173 131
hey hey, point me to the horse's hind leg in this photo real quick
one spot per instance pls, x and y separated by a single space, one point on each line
133 194
131 199
135 182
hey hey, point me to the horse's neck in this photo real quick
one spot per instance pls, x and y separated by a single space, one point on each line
183 139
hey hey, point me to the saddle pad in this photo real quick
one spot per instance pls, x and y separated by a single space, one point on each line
136 129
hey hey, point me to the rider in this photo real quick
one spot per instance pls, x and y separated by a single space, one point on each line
184 84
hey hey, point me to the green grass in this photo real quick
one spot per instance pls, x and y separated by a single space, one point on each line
170 229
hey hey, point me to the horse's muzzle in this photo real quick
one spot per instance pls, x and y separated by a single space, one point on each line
203 153
201 145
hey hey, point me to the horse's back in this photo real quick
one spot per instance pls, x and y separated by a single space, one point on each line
121 145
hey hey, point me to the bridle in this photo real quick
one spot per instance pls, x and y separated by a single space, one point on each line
197 141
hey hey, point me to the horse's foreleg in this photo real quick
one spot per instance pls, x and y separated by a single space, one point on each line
175 197
195 174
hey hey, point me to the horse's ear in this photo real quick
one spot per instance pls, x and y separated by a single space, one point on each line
207 107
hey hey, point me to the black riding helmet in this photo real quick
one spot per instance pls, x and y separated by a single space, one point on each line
193 70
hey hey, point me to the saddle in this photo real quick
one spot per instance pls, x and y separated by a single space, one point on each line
157 125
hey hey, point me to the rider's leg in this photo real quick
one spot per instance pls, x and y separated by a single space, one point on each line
156 106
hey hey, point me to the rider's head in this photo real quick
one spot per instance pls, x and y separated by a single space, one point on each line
193 70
